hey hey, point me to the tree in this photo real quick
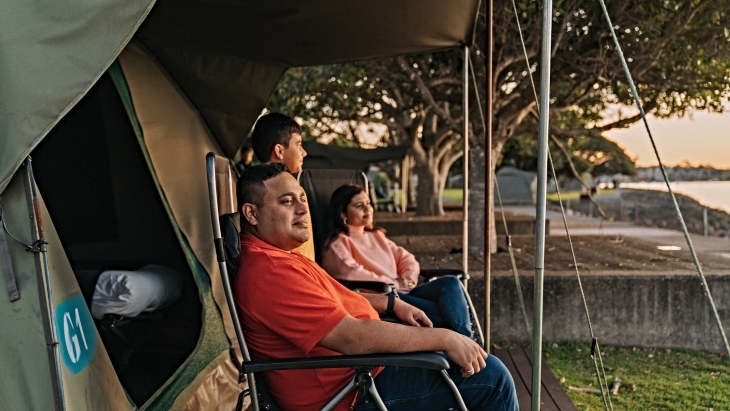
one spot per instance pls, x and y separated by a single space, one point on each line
677 52
417 98
588 154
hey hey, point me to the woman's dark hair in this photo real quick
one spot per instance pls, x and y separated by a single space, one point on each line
338 205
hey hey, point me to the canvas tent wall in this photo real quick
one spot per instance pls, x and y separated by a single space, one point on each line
196 80
347 158
112 214
516 186
29 372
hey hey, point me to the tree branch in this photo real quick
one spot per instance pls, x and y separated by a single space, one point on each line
425 92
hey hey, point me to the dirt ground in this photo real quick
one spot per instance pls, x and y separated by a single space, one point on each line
594 255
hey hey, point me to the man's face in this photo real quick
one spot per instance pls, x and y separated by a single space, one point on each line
292 155
282 221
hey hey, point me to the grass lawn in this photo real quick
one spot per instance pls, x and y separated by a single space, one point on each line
454 194
572 195
650 379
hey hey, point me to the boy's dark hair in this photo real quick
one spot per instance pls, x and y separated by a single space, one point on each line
250 187
272 129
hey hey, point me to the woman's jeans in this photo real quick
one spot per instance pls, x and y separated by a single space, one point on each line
409 389
444 303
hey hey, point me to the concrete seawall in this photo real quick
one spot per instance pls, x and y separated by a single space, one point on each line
667 311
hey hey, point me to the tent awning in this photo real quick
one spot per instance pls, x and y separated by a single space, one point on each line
225 56
229 56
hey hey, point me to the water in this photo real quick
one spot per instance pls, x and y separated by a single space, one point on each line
713 194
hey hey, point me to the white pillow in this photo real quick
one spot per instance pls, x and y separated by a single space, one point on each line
129 293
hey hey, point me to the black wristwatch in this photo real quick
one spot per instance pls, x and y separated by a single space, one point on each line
391 303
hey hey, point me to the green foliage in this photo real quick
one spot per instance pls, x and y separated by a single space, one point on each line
410 100
650 379
678 53
595 155
334 100
329 99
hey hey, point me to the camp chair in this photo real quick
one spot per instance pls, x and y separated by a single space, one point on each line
224 215
319 184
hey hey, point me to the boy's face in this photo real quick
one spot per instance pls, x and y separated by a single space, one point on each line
292 155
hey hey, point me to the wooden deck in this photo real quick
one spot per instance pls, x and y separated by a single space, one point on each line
519 364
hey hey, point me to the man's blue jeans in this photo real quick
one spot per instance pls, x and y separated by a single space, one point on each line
410 389
444 303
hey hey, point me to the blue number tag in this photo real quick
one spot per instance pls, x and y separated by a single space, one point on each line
76 333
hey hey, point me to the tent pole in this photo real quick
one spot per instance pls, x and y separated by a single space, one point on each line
488 186
404 171
45 291
542 141
465 232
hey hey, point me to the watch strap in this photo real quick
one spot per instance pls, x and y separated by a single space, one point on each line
391 303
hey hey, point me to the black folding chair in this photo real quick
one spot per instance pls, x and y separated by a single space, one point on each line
223 210
319 184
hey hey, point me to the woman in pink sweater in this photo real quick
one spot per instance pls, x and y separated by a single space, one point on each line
355 250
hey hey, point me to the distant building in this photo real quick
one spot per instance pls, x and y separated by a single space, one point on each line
700 173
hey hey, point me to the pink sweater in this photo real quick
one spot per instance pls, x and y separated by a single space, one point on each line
369 256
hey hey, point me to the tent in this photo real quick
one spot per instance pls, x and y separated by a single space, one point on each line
346 158
117 104
516 186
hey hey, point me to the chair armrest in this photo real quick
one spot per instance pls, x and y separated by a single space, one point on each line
427 360
375 286
442 272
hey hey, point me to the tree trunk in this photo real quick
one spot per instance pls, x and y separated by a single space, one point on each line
496 151
429 200
477 196
477 164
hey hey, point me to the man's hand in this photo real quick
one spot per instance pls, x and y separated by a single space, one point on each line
468 354
410 314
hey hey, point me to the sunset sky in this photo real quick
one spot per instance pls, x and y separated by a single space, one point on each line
705 140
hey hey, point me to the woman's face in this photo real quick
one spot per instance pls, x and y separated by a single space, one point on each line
359 211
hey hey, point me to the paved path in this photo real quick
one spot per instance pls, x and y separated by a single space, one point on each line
582 225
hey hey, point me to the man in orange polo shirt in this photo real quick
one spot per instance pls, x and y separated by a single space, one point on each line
290 307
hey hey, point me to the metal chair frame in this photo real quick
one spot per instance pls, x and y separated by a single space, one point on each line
363 364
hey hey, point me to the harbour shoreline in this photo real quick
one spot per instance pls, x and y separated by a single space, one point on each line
652 208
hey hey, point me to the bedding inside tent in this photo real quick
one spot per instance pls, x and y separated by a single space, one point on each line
102 198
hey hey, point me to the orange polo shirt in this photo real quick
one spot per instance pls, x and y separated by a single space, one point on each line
287 304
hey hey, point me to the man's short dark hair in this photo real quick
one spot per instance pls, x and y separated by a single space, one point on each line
272 129
250 187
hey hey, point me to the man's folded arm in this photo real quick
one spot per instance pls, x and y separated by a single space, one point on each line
352 336
404 311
